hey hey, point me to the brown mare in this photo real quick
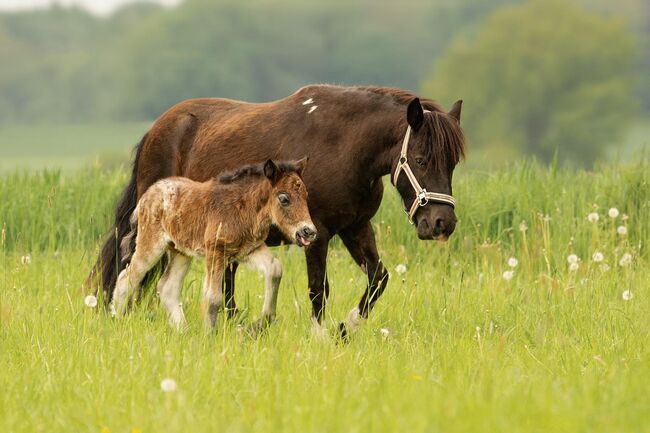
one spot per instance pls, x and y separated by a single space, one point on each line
353 137
223 220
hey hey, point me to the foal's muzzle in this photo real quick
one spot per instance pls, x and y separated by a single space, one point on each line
306 235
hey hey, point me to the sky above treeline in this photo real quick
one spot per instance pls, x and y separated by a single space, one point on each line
98 7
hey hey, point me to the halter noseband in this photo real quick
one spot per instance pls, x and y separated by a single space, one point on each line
422 196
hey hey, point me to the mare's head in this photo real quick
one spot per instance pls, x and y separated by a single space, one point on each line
289 209
435 146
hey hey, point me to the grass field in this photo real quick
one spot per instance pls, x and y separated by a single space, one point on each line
452 346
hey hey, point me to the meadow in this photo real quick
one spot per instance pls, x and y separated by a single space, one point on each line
532 318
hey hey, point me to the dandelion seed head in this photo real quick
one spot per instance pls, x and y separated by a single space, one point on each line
593 217
625 260
604 267
168 385
507 275
401 268
621 230
513 262
598 257
523 226
90 301
624 217
613 212
573 266
627 295
385 332
26 259
572 258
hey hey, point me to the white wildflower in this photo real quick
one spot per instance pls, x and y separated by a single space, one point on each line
523 226
613 213
572 258
26 259
598 257
627 295
592 217
625 260
573 266
385 332
90 301
621 230
168 385
507 275
513 262
401 268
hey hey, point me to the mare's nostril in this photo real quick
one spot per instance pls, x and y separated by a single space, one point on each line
439 224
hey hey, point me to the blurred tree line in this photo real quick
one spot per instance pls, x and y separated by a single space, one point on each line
67 65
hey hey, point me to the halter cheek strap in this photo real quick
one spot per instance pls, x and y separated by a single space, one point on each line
422 196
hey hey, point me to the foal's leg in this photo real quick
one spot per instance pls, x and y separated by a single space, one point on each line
170 284
360 242
212 287
149 249
263 260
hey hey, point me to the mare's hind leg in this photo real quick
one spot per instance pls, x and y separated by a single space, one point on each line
263 260
149 249
360 242
229 289
170 284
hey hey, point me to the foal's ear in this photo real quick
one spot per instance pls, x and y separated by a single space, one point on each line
301 165
455 110
271 171
415 114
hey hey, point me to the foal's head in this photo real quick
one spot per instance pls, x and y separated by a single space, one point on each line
289 209
435 146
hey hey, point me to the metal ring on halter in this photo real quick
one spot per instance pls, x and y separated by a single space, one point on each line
422 197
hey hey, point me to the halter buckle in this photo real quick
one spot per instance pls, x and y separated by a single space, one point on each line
422 198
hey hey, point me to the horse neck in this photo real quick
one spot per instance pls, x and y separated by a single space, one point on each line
256 197
383 140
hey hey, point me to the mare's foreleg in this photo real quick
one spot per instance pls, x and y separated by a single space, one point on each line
360 242
229 289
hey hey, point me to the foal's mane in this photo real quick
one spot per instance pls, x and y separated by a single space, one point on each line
255 170
441 129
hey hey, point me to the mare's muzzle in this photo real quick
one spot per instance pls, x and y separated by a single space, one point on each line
435 222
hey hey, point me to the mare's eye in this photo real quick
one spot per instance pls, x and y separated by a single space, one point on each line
419 161
283 199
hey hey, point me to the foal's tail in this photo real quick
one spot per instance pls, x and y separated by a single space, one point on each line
110 263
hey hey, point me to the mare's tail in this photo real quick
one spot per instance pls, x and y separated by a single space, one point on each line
111 261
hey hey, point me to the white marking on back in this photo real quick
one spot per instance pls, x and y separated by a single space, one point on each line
312 109
308 101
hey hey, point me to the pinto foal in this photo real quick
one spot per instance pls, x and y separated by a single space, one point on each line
223 220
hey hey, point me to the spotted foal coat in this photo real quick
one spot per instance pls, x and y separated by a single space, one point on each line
223 220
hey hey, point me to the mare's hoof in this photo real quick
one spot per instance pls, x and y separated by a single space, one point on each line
343 334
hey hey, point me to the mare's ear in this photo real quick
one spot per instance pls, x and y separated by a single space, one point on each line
301 165
271 171
415 114
455 110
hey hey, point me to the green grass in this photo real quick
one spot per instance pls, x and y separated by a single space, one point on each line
548 351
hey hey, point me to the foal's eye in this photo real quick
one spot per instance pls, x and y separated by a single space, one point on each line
419 161
283 199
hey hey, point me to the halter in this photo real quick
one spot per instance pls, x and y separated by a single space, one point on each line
422 196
